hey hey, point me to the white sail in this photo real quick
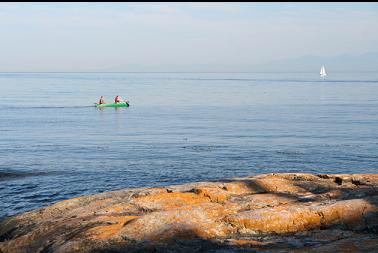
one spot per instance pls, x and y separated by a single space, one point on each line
322 71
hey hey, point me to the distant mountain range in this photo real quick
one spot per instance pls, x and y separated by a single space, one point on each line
308 63
367 62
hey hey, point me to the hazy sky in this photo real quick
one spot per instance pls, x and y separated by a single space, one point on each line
160 36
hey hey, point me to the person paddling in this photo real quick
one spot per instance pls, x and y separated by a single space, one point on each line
118 99
102 100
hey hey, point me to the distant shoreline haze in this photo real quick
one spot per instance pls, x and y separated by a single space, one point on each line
367 62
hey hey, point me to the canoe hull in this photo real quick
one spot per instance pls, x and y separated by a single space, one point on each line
112 105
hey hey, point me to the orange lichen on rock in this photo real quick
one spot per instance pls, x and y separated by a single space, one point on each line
257 201
276 184
349 212
243 187
104 232
117 209
293 218
281 219
215 194
186 222
167 201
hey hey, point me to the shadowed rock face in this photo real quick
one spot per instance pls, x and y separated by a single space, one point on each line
264 213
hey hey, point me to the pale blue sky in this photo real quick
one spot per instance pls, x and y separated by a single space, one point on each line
170 36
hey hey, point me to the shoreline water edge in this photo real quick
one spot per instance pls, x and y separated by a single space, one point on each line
264 213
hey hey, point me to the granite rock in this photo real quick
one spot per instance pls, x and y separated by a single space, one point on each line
287 212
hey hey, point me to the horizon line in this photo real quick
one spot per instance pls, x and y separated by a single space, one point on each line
220 72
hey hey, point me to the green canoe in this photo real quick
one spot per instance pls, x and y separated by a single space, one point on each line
112 105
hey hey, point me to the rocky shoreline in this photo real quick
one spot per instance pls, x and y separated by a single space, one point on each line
286 212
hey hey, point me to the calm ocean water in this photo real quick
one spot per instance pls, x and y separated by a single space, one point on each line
180 127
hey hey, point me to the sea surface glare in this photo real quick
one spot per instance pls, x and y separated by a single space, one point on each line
179 128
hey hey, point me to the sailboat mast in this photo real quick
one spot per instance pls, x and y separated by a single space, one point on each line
322 71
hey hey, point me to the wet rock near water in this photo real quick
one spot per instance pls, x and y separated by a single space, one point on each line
288 212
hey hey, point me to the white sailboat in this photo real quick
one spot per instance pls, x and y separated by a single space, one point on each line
323 73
